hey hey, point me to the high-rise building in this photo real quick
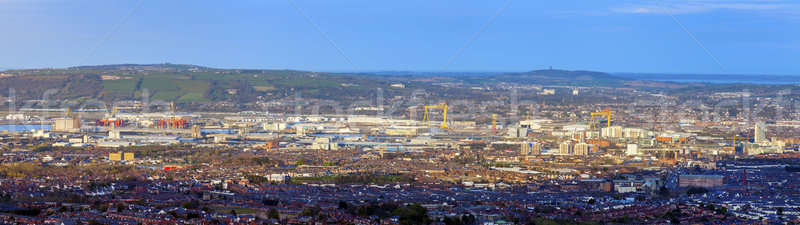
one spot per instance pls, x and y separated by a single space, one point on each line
525 148
115 156
611 132
581 149
565 148
530 148
66 124
706 181
634 133
128 156
760 132
536 149
518 132
633 149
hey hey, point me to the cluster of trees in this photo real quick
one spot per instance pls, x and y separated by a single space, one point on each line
357 179
696 190
406 214
467 219
792 169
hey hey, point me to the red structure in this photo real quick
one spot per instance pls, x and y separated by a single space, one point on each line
108 123
172 123
170 167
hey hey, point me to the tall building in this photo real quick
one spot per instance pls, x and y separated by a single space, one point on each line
66 124
565 148
633 133
633 149
525 148
581 149
536 148
530 148
706 181
518 132
611 132
760 132
128 156
115 156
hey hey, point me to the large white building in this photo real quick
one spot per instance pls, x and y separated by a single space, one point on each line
66 124
518 132
634 133
633 149
611 132
581 149
760 132
530 148
565 148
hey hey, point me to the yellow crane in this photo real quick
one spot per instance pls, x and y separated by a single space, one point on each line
593 122
114 111
443 107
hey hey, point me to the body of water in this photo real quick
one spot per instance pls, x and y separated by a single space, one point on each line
23 127
715 78
727 81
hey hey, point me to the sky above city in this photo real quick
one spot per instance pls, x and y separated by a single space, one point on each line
668 36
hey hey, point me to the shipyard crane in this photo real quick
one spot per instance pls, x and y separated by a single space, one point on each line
593 123
443 107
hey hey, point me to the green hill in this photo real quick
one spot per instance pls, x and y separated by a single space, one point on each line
183 83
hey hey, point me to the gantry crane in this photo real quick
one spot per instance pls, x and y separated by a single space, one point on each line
593 122
443 107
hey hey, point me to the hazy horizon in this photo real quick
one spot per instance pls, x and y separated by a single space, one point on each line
686 37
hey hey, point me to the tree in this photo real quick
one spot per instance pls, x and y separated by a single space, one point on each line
452 220
120 207
468 219
696 190
310 211
343 205
412 214
722 210
663 192
193 204
273 214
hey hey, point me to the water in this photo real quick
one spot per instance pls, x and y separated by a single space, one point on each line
217 131
23 127
716 79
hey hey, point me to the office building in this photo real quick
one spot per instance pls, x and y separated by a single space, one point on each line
128 156
633 149
581 149
760 132
565 148
705 181
115 156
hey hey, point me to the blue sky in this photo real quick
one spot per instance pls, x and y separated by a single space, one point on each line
668 36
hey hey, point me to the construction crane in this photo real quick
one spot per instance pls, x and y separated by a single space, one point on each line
734 138
593 122
443 107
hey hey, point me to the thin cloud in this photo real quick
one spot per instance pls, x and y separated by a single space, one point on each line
703 6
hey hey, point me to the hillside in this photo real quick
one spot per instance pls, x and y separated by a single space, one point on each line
184 83
194 84
562 77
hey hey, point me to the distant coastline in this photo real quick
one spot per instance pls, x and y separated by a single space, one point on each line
715 78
